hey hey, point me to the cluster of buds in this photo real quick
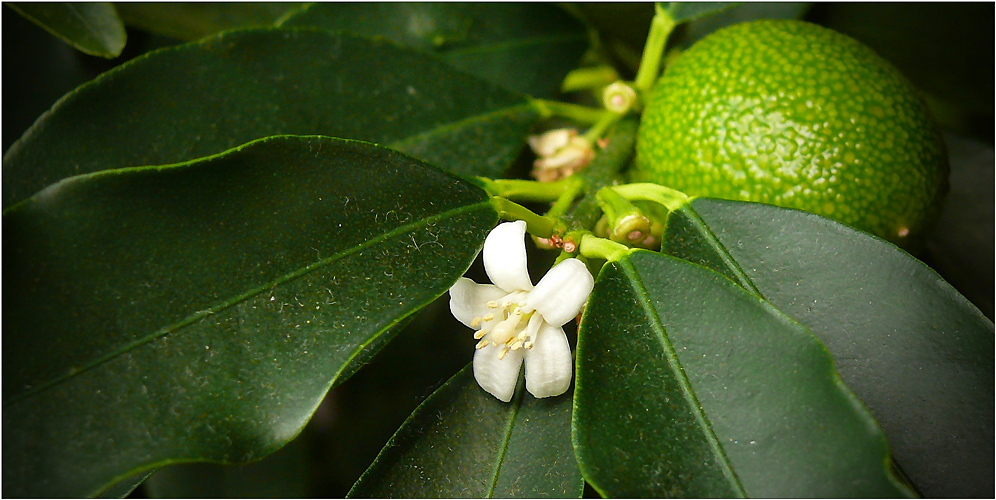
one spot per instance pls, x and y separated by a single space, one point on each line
561 152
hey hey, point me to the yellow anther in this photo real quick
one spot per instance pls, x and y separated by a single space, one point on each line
492 304
482 344
476 322
517 345
479 334
489 317
502 352
528 345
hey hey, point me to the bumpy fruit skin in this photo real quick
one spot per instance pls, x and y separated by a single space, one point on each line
796 115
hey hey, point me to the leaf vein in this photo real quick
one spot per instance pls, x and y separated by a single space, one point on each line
672 358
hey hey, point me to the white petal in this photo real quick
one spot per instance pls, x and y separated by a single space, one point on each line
505 256
560 294
548 363
468 300
497 376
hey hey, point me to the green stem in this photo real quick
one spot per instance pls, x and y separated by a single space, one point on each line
603 171
524 190
537 225
660 29
589 78
672 199
581 114
594 247
598 130
627 224
567 197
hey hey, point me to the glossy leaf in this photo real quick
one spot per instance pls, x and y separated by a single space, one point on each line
463 442
284 474
689 386
92 27
916 353
526 47
200 311
192 20
689 11
193 100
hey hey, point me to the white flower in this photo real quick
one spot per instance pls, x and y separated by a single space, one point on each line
516 321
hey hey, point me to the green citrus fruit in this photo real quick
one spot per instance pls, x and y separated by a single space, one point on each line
796 115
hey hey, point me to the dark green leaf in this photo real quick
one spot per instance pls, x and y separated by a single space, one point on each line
689 11
93 28
688 386
462 442
526 47
284 474
201 311
189 101
192 20
916 353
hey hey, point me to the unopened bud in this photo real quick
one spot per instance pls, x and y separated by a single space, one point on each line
618 97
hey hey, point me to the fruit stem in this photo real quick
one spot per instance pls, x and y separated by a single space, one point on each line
660 29
589 78
574 112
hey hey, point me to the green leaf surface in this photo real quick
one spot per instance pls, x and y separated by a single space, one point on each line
283 474
193 100
916 353
526 47
191 20
92 28
463 443
689 386
689 11
199 312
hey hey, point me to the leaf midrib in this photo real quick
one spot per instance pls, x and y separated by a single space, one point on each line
724 254
503 448
672 358
204 313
